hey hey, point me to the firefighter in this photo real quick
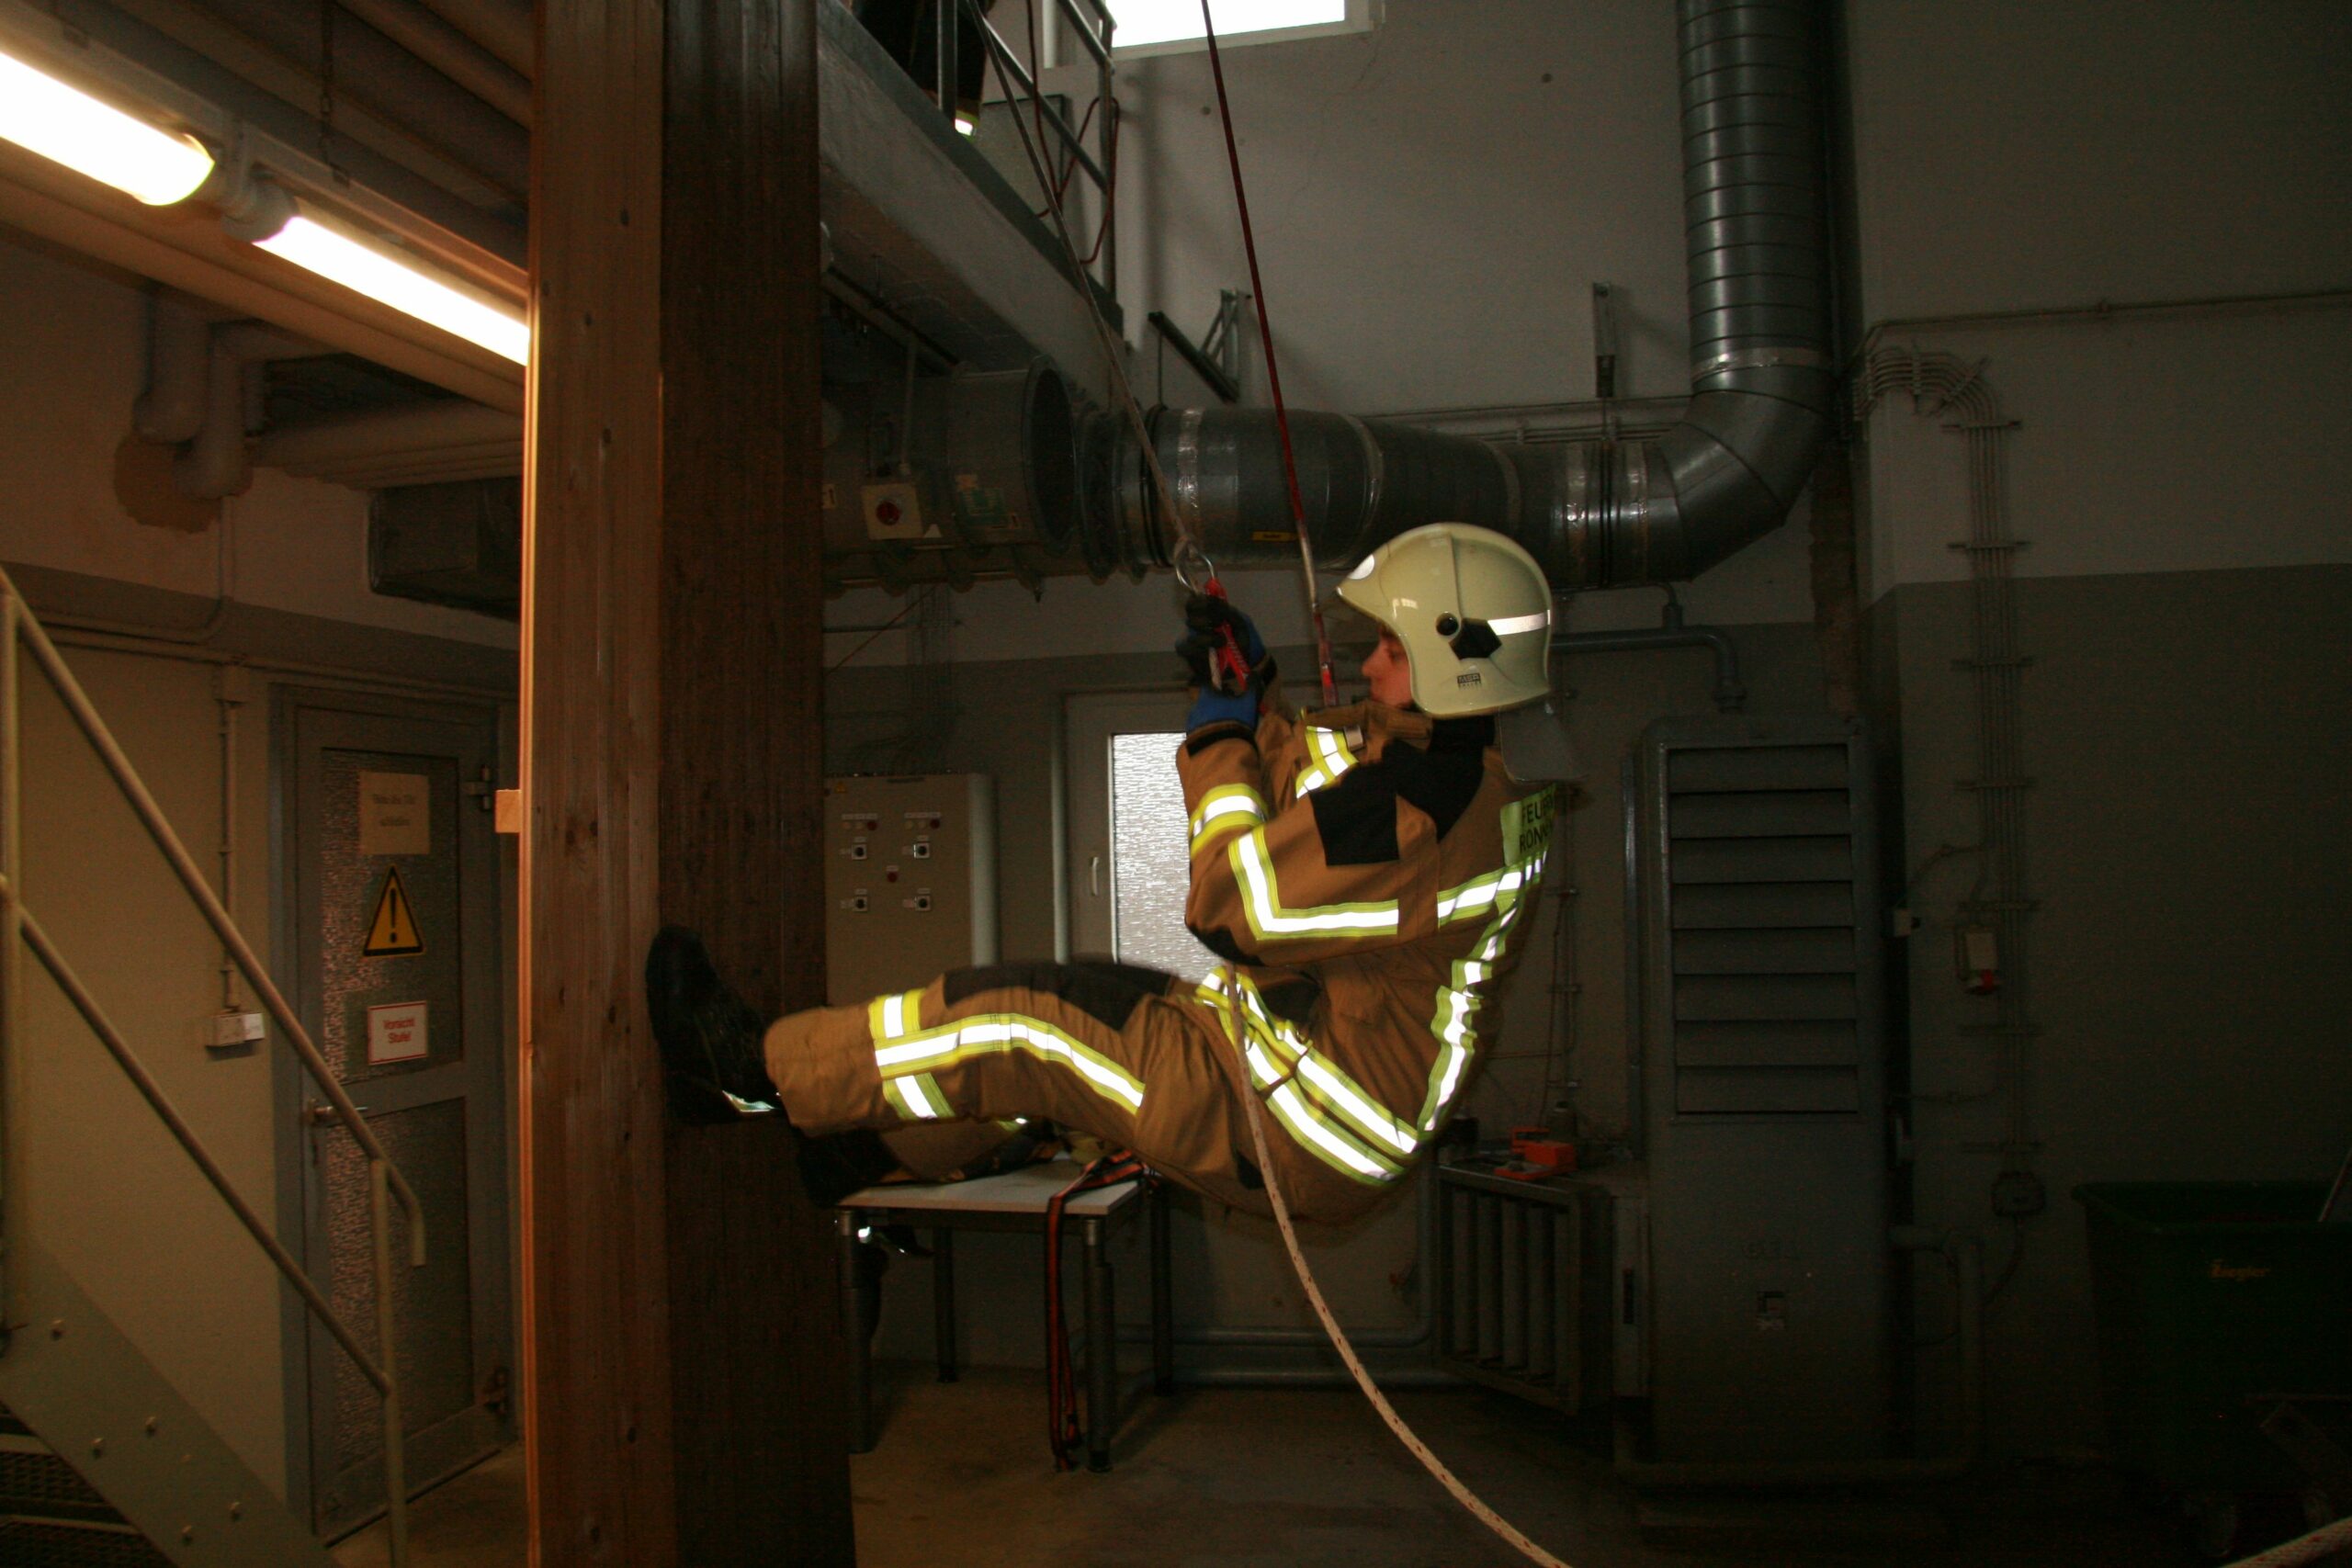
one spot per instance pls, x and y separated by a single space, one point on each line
1366 873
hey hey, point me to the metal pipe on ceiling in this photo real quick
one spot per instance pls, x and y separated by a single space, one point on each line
217 461
1596 513
178 340
1616 509
446 428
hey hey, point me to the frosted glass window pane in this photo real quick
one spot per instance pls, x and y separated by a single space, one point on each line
1163 21
1151 870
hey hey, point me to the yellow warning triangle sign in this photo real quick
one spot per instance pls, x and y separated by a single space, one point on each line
393 930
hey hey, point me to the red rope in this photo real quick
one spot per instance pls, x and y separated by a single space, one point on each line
1273 373
1062 1429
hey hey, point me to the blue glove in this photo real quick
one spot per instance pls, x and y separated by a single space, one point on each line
1207 620
1218 707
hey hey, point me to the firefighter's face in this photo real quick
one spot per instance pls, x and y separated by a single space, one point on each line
1387 673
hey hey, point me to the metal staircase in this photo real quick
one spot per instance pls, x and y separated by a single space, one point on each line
51 1517
102 1462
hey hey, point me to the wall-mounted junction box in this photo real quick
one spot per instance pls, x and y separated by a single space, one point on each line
910 880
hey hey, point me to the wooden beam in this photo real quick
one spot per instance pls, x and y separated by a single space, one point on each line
595 1330
683 1383
760 1381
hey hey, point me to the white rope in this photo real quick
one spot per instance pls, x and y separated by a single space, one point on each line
2303 1549
1486 1516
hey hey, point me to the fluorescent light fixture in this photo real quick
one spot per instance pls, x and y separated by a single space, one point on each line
67 126
372 267
1142 22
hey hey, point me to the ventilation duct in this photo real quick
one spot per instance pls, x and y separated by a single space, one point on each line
1596 513
460 544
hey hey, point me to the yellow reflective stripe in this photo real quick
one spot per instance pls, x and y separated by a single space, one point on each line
1232 805
890 1017
1262 905
917 1097
1482 893
1456 1004
1446 1077
1211 992
1344 1095
1311 1096
984 1033
1329 1145
1332 758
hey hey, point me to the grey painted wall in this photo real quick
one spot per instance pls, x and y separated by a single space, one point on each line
2190 735
2181 480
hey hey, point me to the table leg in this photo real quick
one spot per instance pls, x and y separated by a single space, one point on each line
943 1300
854 1293
1163 1316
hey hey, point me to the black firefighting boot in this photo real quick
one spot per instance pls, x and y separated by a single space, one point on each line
715 1070
709 1036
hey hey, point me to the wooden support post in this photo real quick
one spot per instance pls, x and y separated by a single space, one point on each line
685 1401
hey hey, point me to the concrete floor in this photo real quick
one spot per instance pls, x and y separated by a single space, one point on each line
1249 1478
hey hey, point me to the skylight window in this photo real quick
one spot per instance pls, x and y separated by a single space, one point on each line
1165 27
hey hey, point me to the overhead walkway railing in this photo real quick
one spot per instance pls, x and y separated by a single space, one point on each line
21 633
1090 23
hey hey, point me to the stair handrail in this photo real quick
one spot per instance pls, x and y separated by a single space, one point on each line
21 628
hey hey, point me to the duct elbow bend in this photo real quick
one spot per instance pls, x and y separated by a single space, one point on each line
1738 461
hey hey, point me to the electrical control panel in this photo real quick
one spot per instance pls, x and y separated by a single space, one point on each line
910 880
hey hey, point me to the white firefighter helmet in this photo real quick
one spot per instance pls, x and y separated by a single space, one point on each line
1473 610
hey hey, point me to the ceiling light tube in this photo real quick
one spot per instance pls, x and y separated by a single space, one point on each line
381 270
43 114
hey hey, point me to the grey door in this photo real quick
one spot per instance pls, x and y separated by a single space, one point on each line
394 900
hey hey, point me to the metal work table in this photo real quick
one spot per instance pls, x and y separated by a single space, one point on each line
1014 1201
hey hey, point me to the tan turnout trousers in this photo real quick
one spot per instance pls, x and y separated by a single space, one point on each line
1365 873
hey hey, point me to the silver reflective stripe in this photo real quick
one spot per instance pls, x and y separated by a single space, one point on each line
1360 1109
1253 867
1332 758
1510 624
1482 893
1233 805
917 1096
1331 1145
986 1033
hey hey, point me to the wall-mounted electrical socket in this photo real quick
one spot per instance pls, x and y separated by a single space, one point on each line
224 1030
2018 1193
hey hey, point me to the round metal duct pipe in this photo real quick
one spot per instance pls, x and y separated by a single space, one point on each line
1597 514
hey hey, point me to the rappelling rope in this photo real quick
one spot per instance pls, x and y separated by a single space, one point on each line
1503 1528
2311 1548
1274 374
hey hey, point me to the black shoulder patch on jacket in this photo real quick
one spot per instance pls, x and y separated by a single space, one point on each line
1106 992
1357 816
1443 779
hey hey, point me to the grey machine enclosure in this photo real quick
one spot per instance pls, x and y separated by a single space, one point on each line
1759 1085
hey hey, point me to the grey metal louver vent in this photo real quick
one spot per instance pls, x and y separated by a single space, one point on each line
1760 1052
1761 948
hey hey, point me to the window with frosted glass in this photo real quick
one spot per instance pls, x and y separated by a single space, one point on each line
1151 871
